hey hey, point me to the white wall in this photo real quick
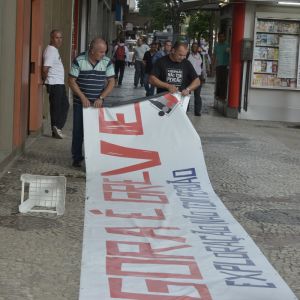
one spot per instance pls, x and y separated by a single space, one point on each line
268 104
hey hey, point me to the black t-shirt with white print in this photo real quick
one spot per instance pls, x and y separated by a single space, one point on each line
180 74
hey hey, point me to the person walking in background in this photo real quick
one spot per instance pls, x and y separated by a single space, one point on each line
159 46
138 56
196 60
53 75
174 72
206 61
162 52
87 77
120 56
148 67
221 62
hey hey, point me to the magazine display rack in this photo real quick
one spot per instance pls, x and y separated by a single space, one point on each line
276 54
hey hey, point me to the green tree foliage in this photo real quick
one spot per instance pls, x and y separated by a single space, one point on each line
162 13
199 25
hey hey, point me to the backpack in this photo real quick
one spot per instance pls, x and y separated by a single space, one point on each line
120 53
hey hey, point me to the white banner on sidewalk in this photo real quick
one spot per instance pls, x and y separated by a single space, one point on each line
154 228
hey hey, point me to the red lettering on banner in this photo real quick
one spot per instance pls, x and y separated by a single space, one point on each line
146 232
156 198
172 100
114 267
158 286
159 215
144 250
152 157
132 192
120 126
96 212
146 177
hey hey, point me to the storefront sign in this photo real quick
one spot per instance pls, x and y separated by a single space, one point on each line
154 228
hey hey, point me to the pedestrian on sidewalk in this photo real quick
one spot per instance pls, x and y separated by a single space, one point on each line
162 52
137 58
221 62
196 60
174 72
87 77
206 61
120 56
53 75
148 67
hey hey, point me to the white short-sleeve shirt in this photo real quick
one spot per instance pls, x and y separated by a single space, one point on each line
196 61
56 73
140 51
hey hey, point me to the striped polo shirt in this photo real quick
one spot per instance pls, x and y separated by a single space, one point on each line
91 79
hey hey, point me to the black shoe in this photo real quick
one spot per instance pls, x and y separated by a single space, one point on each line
76 164
198 114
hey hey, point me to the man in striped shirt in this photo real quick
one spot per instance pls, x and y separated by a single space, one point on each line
90 71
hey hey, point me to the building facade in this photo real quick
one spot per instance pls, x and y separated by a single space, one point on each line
25 26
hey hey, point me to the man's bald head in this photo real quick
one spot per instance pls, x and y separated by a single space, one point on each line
56 38
97 49
96 42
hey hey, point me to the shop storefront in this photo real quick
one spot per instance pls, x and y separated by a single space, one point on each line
264 73
274 87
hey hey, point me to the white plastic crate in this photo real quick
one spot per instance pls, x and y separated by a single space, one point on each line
44 194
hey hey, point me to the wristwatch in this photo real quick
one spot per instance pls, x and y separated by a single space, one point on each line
101 98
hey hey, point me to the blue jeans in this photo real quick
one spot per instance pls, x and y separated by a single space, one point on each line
77 134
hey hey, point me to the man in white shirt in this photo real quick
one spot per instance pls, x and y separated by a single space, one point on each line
54 77
138 56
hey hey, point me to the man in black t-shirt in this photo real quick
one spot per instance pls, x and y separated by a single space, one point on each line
174 72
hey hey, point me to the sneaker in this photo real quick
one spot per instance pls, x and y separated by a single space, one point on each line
57 133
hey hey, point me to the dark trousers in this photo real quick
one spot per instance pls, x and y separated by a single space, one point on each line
119 67
59 104
148 87
77 134
139 72
198 100
221 82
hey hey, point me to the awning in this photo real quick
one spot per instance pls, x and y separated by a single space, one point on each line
217 4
